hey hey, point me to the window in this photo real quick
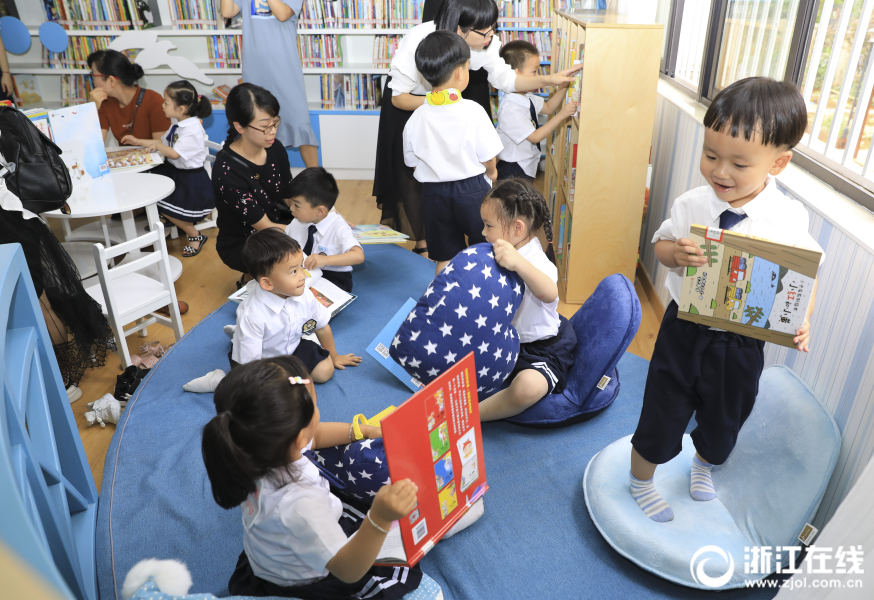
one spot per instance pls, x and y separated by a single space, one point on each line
693 34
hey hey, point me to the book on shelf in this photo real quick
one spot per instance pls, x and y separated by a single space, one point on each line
525 13
749 285
378 348
111 15
561 223
25 91
542 40
351 91
76 131
435 440
328 294
378 234
201 14
384 47
361 14
76 54
74 89
225 51
132 158
572 158
319 51
40 118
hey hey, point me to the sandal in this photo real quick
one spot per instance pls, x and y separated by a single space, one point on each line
188 251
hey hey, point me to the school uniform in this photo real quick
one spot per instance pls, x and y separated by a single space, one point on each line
447 145
292 530
547 343
269 326
330 236
193 197
704 370
398 193
517 119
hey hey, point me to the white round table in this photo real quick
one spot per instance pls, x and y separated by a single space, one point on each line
117 193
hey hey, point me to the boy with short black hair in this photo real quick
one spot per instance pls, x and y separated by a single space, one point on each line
750 129
325 237
518 126
453 146
278 311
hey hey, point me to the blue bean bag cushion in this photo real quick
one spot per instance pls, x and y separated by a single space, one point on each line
468 307
770 486
604 325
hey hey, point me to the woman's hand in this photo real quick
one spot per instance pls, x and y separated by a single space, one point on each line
97 96
6 84
393 502
133 141
563 78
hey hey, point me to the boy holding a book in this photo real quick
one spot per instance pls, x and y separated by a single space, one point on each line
326 238
750 130
518 127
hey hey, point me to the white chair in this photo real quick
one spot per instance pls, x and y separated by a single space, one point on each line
128 296
211 220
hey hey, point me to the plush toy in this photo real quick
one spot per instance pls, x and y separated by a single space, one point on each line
469 307
104 410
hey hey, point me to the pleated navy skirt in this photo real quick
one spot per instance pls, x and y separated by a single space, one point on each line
193 199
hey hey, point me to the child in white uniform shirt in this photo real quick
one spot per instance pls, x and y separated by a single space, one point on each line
297 540
185 149
512 213
326 238
749 132
453 146
279 310
518 127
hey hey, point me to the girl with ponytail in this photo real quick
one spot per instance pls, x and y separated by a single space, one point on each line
298 539
251 176
513 212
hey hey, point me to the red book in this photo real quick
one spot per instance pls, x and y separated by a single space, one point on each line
434 439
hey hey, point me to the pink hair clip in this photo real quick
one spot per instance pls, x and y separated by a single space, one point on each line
297 381
199 96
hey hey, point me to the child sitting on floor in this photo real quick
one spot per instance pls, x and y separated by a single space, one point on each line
749 132
453 146
325 236
512 212
298 541
518 127
272 319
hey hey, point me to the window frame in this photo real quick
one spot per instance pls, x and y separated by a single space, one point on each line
831 173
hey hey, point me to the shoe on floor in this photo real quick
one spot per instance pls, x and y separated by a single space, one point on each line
127 383
105 410
470 517
73 393
183 308
205 384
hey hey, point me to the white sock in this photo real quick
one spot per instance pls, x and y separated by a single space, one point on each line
650 501
205 384
470 517
702 488
229 330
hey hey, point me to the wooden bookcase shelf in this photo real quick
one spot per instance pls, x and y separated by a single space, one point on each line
595 182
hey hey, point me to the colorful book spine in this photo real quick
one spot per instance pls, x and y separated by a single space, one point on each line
112 15
351 92
561 223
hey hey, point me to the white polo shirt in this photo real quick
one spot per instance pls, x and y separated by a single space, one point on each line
450 142
534 319
269 326
771 215
190 143
333 236
290 533
514 127
406 79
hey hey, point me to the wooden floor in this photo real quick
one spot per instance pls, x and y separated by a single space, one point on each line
205 285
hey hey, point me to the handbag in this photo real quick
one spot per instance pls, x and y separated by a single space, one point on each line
34 170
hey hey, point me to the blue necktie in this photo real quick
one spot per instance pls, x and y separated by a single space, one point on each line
170 135
311 236
729 219
534 120
332 479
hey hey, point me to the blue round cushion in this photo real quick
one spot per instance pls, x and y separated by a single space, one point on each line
605 326
469 307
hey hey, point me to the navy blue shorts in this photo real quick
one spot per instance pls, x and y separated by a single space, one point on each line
506 170
451 211
695 370
552 357
309 353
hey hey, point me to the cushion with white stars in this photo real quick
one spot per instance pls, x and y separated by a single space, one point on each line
360 467
469 307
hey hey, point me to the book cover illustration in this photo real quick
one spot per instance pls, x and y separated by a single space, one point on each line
750 286
378 348
377 234
132 158
40 118
435 440
561 221
76 130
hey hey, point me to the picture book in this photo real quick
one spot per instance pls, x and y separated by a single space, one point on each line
328 294
378 348
76 130
40 118
575 89
572 158
750 286
561 222
377 234
132 158
434 439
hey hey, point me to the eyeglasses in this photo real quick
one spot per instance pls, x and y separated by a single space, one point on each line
92 76
489 32
269 129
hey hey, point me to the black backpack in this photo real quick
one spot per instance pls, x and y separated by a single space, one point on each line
34 169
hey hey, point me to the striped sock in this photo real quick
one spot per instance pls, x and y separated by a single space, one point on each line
650 501
702 488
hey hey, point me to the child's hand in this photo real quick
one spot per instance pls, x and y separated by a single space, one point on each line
803 337
568 110
687 254
341 361
393 502
506 255
371 432
315 260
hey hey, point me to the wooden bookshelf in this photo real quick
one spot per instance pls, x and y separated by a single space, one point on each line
598 205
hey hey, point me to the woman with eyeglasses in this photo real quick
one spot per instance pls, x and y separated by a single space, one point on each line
123 106
397 192
251 176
